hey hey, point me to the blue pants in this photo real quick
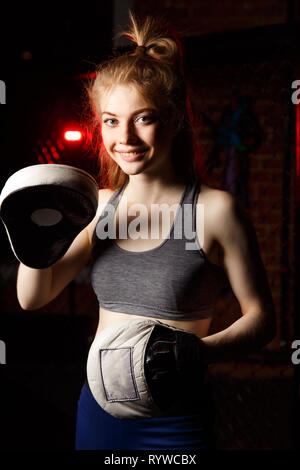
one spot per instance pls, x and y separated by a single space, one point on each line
98 430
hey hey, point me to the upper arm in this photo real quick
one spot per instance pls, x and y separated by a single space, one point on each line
78 255
241 257
67 268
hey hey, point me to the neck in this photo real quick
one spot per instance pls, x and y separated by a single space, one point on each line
152 190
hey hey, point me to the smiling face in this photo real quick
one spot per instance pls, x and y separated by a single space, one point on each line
133 132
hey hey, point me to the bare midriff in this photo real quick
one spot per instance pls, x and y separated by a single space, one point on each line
198 327
108 318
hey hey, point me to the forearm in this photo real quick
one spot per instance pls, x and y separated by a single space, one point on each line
247 334
37 287
33 287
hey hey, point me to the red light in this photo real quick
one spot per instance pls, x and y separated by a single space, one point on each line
73 136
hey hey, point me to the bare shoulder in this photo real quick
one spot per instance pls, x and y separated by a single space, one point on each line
103 197
214 195
225 218
218 204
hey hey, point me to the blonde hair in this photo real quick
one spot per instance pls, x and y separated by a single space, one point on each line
155 68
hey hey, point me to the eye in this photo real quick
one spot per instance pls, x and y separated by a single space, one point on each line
145 119
110 122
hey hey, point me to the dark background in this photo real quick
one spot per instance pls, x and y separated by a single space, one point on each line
44 52
234 49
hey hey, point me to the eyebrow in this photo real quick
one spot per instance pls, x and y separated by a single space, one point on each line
136 112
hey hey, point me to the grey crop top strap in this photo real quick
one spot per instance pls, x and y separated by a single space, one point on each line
173 280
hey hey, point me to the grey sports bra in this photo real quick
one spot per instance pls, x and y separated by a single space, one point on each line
168 281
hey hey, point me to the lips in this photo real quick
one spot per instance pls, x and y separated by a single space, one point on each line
131 156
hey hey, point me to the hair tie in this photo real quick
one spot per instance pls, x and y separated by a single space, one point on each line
142 50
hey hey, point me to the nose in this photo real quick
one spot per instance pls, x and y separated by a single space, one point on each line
127 133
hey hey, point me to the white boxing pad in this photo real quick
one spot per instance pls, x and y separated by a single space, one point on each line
43 208
115 370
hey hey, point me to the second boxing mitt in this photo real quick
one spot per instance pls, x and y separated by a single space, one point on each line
142 369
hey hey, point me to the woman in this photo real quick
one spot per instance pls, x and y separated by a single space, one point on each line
140 102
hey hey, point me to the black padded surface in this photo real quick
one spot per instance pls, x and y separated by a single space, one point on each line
41 246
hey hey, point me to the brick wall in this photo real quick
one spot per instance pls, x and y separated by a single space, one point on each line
214 88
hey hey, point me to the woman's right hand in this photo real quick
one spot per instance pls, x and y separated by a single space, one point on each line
44 208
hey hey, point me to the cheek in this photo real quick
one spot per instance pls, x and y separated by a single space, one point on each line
106 138
106 145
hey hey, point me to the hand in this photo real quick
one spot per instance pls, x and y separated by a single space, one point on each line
44 208
175 369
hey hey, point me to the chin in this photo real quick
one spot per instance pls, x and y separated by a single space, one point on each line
133 169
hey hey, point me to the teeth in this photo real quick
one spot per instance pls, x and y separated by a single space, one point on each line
130 154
